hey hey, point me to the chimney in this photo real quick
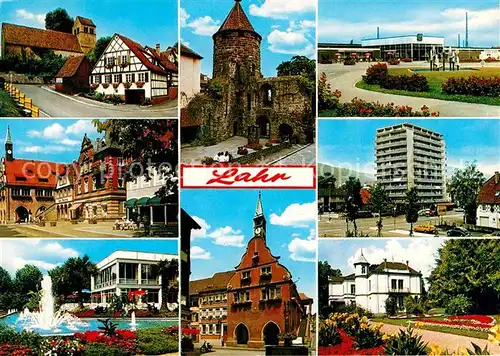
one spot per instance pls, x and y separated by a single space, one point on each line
158 50
497 177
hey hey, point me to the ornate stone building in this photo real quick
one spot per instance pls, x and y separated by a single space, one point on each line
242 101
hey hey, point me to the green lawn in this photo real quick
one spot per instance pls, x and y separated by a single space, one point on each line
7 106
438 328
436 80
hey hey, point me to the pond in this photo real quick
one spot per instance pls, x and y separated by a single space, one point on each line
90 324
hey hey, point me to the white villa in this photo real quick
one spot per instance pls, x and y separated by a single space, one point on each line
128 271
371 285
488 203
135 73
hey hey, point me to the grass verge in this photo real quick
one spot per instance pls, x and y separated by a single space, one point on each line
436 80
7 106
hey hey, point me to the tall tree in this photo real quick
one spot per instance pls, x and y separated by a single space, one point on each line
59 20
465 186
411 208
325 272
6 290
100 47
327 180
469 268
298 65
352 200
379 203
27 279
73 276
169 273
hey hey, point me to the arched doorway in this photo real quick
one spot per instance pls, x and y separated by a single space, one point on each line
263 123
286 132
241 334
22 214
267 95
270 333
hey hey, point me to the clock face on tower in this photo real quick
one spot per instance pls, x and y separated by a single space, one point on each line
9 151
258 230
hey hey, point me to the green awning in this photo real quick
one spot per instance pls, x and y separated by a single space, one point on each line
142 202
156 200
130 203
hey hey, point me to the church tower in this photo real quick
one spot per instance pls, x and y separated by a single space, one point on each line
236 44
259 220
85 31
9 146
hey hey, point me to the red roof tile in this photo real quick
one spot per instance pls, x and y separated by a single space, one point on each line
304 297
188 52
237 20
186 121
38 38
216 282
490 192
70 66
85 21
141 52
27 172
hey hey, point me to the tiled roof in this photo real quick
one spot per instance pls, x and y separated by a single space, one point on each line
70 66
85 21
304 297
186 121
237 20
25 172
217 281
391 265
490 192
140 53
38 38
188 52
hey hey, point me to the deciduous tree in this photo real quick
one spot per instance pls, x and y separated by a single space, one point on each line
465 186
325 272
379 203
352 200
59 20
411 208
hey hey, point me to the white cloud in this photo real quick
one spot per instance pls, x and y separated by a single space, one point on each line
69 142
80 127
15 254
200 233
281 9
298 215
482 23
198 253
47 149
420 254
296 39
184 16
54 131
303 250
23 14
203 26
227 236
32 149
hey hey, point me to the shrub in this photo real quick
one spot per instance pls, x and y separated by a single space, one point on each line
155 341
414 82
349 62
393 61
376 73
458 305
368 337
490 60
352 324
390 306
407 60
328 334
254 146
113 99
61 346
9 349
476 86
327 99
27 338
405 343
98 96
98 349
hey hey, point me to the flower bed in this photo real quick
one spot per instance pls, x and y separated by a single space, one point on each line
414 82
470 322
476 86
347 347
393 62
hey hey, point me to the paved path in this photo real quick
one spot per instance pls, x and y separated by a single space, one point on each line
345 78
60 105
305 155
447 341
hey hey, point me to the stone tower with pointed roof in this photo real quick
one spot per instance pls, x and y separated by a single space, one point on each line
259 220
236 44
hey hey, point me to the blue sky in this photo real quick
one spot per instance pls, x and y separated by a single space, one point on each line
45 139
345 20
466 141
287 28
226 218
341 253
47 254
146 21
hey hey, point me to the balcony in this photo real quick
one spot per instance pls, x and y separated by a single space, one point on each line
389 152
242 303
392 159
105 284
399 290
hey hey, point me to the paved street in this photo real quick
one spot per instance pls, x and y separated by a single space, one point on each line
345 78
332 226
59 105
300 156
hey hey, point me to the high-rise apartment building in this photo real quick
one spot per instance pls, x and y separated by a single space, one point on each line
406 156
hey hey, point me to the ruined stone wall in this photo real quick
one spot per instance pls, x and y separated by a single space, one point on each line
231 47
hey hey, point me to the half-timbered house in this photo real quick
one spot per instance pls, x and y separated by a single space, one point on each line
137 74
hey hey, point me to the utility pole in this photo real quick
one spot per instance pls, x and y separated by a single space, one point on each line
467 30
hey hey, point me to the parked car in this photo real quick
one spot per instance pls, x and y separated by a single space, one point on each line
426 229
458 232
424 212
365 214
459 210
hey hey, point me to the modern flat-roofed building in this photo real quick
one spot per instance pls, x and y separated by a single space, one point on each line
416 47
406 156
128 271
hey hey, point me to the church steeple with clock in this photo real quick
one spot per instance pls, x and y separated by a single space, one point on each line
9 146
259 220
